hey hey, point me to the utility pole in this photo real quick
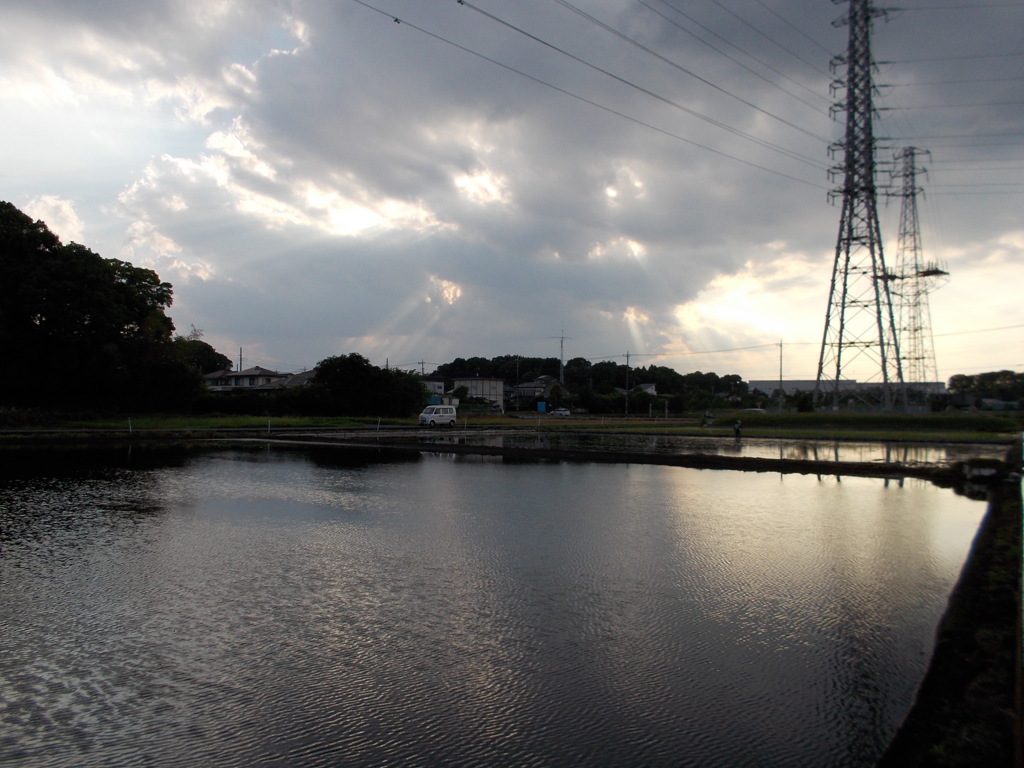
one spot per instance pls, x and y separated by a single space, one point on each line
782 392
627 383
917 278
561 359
561 356
860 327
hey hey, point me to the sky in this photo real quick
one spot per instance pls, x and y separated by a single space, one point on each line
644 181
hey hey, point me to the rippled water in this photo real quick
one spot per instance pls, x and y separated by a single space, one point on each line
288 608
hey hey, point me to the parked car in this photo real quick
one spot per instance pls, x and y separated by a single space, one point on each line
560 412
433 415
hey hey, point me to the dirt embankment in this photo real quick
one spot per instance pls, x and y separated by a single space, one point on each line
968 709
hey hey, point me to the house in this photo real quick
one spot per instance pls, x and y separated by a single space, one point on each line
491 390
649 388
432 385
538 389
294 380
248 380
543 389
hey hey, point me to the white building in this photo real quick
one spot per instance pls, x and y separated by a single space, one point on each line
492 390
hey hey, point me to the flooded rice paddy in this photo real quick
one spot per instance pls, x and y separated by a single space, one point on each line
323 607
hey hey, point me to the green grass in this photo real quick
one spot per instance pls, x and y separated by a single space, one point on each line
959 427
187 423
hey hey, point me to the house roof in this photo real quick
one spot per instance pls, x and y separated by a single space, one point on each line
293 380
260 371
254 371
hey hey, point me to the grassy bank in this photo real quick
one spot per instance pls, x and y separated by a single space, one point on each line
965 427
957 427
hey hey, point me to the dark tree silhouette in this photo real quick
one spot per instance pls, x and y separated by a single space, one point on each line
81 331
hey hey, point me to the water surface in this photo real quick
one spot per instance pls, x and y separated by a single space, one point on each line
319 608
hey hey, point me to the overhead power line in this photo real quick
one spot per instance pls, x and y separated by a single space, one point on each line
683 354
953 58
765 64
792 26
626 38
960 106
982 330
956 82
961 7
991 192
771 40
665 100
585 100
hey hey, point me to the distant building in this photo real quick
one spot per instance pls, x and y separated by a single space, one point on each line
433 386
540 388
928 387
792 386
249 379
491 390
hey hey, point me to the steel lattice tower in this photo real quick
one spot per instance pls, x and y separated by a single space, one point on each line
916 278
859 324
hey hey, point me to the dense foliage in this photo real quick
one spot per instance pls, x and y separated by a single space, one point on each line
83 332
609 386
198 355
352 386
997 385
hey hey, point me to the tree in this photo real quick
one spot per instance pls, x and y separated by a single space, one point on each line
83 331
356 387
998 385
577 374
198 355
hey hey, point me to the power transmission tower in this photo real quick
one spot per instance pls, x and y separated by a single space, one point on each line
916 279
860 329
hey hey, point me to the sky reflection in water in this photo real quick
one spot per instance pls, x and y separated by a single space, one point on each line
285 608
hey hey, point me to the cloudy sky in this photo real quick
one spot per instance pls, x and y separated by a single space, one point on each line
484 178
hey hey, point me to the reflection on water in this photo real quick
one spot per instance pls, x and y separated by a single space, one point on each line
268 607
816 450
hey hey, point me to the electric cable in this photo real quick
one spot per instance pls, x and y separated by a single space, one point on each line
693 113
622 36
592 103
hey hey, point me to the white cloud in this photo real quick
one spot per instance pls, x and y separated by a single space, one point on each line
59 216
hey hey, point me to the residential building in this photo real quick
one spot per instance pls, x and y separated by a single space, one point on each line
491 390
249 379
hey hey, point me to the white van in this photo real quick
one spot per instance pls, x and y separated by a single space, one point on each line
438 414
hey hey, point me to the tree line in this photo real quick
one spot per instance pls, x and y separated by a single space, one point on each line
610 386
1007 386
91 335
